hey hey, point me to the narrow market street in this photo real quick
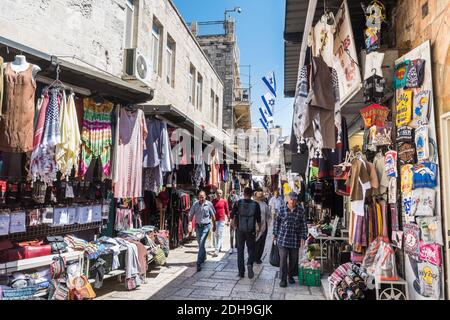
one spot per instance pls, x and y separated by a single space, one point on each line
218 280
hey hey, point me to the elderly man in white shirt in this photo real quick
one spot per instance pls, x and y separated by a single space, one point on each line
275 203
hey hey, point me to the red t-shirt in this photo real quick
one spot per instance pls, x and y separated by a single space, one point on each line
221 207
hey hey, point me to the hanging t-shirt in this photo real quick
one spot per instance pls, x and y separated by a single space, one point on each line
425 175
405 134
406 176
383 135
423 202
406 207
431 229
392 190
374 115
421 104
374 89
416 74
411 240
430 280
406 153
430 252
422 143
404 106
400 75
390 163
373 63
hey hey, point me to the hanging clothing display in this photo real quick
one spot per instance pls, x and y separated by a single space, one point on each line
17 118
317 105
130 148
157 152
68 149
43 158
96 135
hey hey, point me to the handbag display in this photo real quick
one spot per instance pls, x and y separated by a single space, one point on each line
57 244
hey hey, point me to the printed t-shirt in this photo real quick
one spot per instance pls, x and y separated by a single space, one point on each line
422 143
423 202
421 108
404 106
425 175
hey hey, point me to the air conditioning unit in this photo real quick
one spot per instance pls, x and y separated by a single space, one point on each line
136 66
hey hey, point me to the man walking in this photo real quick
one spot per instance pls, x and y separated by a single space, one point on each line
247 217
265 222
232 200
222 215
290 232
204 213
275 203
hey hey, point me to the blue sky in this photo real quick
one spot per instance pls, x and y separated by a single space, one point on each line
259 29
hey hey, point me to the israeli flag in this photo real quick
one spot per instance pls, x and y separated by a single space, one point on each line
264 124
264 116
271 83
269 102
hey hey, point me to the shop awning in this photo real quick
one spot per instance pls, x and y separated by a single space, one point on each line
97 82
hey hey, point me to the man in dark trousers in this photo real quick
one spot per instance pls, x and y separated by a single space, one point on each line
290 232
247 217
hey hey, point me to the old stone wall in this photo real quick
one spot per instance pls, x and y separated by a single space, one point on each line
421 20
94 32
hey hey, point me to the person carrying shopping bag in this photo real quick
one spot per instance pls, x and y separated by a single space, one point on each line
290 232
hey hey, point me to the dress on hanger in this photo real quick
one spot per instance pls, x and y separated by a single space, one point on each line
132 135
17 121
96 135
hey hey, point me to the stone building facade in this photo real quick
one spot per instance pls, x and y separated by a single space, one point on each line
95 34
223 52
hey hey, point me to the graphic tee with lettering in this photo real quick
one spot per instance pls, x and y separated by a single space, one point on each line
425 175
423 202
404 106
430 280
422 143
406 153
405 134
390 163
421 108
406 176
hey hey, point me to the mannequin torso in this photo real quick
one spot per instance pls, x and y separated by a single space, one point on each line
20 64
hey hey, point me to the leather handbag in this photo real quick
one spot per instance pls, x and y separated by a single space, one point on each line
57 243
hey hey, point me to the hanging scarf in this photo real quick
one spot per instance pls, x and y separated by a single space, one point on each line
67 151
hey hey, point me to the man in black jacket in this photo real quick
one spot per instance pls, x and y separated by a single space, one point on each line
247 217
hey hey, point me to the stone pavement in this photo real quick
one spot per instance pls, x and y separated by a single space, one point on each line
218 280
